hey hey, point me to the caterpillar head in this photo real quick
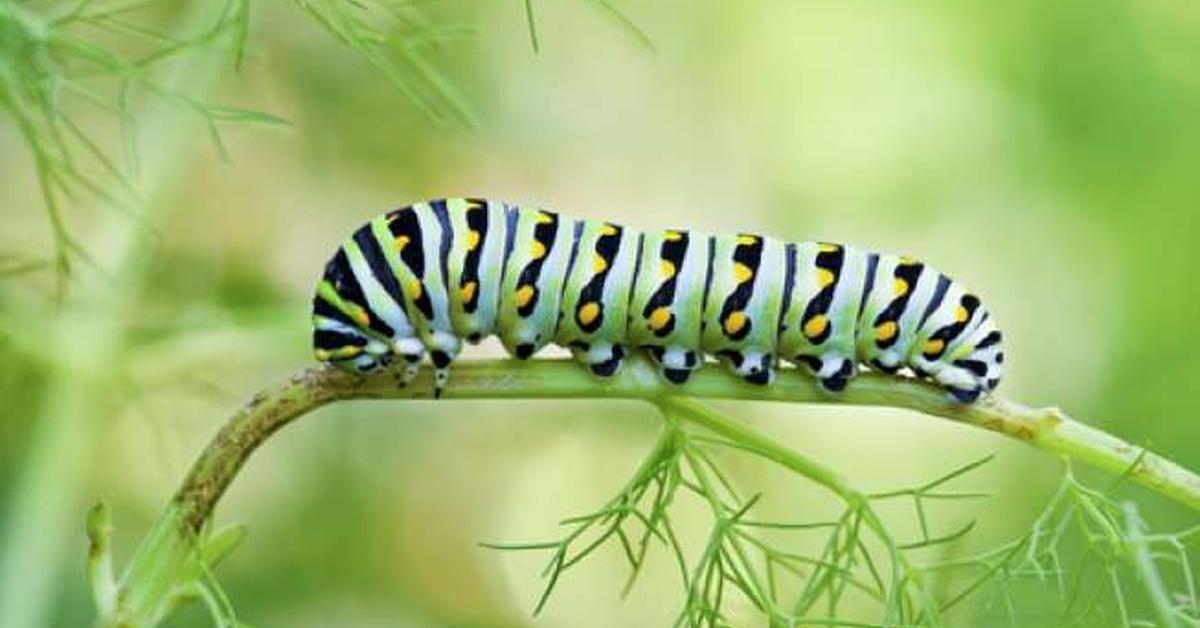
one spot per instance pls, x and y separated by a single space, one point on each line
348 348
345 332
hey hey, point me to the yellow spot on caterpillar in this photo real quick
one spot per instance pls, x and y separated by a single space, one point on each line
524 295
415 289
824 277
735 322
545 218
747 240
961 314
886 331
537 250
348 351
816 326
599 264
322 355
472 240
907 261
742 273
933 347
401 242
659 318
468 291
666 269
672 236
900 287
588 312
361 316
608 230
826 247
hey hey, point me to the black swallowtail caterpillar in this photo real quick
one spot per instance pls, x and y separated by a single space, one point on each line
423 278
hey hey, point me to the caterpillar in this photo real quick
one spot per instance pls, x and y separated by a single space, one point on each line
420 280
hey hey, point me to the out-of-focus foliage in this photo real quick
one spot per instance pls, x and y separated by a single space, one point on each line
1045 153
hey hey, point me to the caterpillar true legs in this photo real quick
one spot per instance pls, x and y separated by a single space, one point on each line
414 283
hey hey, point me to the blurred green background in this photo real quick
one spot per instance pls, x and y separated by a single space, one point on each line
1044 153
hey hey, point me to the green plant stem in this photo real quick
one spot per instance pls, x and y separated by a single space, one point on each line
151 573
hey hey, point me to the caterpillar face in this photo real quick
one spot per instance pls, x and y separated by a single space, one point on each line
348 348
346 331
415 283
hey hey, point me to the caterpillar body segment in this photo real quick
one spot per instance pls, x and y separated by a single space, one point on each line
475 265
594 310
415 253
743 303
820 324
667 306
415 283
533 277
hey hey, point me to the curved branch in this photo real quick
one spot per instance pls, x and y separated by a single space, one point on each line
148 580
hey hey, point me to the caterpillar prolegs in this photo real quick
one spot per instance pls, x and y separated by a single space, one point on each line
419 280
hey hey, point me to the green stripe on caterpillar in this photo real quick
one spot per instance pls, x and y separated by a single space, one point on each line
418 281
